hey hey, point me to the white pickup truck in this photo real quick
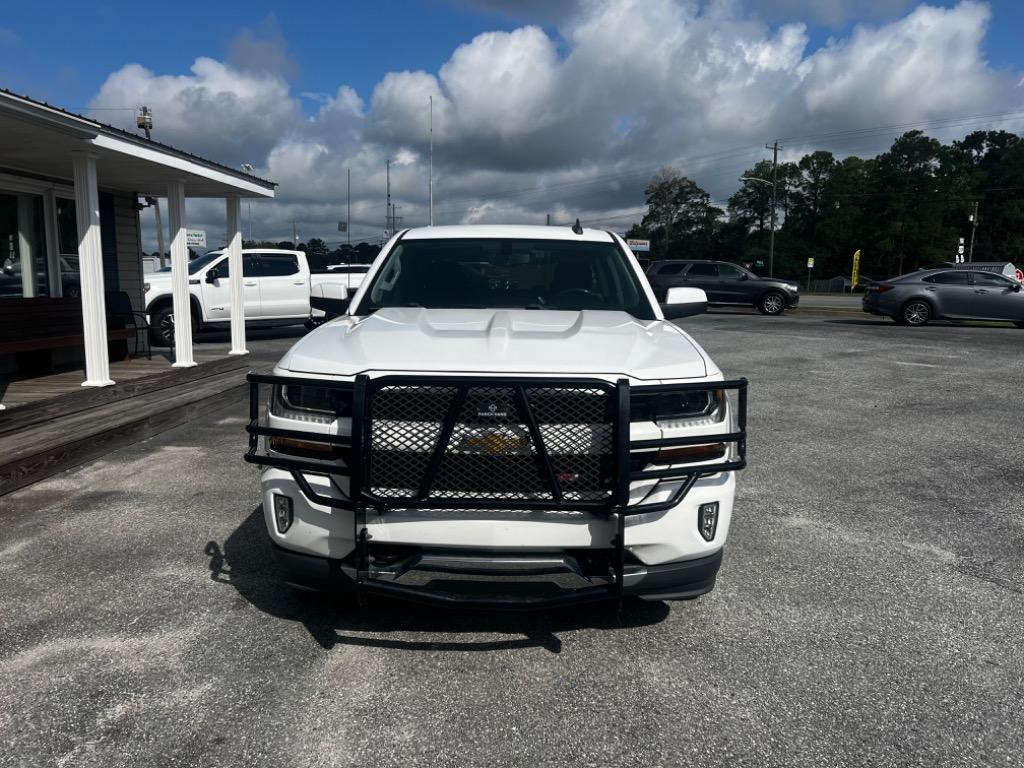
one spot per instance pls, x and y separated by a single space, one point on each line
277 286
502 417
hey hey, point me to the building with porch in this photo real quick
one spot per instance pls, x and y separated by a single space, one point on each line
70 239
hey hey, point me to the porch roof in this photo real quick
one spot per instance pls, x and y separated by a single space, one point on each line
38 139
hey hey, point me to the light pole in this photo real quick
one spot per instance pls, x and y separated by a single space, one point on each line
771 235
248 168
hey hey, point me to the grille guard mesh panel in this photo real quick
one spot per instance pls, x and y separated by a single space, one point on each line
469 440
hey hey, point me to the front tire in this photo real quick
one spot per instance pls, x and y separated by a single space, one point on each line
916 312
161 328
772 303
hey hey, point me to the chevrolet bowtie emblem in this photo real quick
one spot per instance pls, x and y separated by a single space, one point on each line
493 442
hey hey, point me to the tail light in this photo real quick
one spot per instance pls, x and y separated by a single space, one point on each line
880 288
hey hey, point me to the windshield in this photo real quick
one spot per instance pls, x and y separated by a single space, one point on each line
198 263
507 273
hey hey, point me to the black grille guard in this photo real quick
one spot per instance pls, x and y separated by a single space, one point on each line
355 453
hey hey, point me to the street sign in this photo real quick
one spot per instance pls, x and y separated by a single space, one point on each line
810 263
856 270
639 246
343 226
195 238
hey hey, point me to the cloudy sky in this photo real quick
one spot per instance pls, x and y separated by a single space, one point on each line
563 107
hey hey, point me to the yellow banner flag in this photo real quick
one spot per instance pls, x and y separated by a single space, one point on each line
856 269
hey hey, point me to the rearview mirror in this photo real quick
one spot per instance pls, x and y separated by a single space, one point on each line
330 298
684 302
211 276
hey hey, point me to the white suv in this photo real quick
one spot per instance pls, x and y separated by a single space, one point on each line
503 416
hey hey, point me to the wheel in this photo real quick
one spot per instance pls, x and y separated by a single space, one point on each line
161 327
771 304
916 312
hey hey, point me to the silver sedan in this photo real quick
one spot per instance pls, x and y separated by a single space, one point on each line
948 294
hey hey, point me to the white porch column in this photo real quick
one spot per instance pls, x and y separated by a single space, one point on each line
90 265
234 212
179 276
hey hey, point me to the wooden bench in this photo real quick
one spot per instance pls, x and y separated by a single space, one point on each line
39 324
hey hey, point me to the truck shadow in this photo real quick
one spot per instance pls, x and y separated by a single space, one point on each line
246 563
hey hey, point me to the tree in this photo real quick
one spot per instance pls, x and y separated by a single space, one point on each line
680 218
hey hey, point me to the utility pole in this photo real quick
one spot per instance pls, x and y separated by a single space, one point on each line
974 228
348 219
430 176
295 234
387 215
159 231
775 175
549 220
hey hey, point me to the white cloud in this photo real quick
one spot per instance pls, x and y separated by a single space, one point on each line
526 123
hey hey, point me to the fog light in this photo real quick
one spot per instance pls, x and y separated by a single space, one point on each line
707 520
282 513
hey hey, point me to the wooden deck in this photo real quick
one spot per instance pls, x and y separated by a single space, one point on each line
31 390
53 423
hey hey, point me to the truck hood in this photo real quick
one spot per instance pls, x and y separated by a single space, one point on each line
513 341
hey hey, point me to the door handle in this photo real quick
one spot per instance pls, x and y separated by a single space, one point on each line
299 282
930 289
250 283
980 290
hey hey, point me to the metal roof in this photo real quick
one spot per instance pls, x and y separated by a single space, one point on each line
44 110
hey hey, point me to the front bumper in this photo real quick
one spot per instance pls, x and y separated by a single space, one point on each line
641 507
499 580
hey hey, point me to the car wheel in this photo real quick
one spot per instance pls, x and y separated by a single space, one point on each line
771 304
161 327
916 312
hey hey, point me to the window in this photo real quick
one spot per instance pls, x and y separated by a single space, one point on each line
23 267
249 267
992 280
948 278
670 269
349 269
522 274
276 265
703 269
730 272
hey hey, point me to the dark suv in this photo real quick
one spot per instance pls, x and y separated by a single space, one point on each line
724 283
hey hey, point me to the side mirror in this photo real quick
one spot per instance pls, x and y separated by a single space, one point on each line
1015 288
330 298
684 302
211 276
744 276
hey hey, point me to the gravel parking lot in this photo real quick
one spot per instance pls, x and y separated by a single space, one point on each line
869 611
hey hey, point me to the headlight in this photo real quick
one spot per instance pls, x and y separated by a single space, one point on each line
682 404
320 405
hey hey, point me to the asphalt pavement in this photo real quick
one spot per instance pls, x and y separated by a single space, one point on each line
869 612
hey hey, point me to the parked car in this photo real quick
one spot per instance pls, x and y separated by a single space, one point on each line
277 285
501 402
725 284
947 294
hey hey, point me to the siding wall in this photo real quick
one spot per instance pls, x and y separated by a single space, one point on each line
129 251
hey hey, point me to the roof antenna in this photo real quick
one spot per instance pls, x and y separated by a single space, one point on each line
577 227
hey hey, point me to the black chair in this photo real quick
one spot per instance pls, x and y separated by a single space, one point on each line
120 309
